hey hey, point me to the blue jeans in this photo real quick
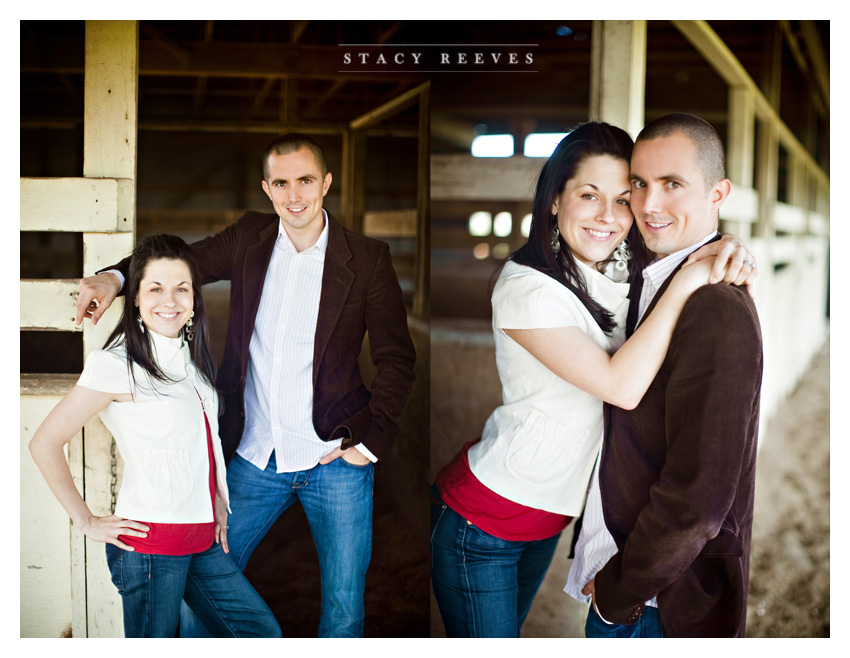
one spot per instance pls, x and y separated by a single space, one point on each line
337 499
152 586
649 625
484 585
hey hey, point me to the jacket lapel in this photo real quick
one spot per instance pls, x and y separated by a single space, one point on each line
634 303
257 258
337 280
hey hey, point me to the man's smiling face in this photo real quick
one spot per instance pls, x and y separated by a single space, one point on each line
297 188
671 201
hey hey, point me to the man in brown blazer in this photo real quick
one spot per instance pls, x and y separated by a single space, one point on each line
298 421
677 473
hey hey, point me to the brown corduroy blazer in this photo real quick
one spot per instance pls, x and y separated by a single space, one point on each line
677 474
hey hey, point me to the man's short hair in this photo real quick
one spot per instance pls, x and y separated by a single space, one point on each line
710 150
289 143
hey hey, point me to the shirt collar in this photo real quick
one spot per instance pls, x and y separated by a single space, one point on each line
320 247
171 354
661 268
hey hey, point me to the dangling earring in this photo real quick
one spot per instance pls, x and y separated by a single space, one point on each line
554 242
141 324
622 255
189 329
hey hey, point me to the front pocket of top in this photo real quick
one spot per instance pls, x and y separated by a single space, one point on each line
543 451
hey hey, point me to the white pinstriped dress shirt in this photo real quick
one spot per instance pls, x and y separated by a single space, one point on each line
595 544
279 385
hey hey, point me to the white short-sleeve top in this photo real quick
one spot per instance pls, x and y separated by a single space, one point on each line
161 433
539 447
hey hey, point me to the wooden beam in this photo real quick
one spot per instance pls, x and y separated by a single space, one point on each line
818 57
329 93
422 264
741 209
110 137
261 96
288 104
724 62
353 179
111 99
618 74
214 59
181 53
243 127
390 32
76 204
740 142
388 109
201 87
247 127
453 131
298 29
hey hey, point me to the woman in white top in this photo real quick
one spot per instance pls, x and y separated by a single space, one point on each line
559 309
153 388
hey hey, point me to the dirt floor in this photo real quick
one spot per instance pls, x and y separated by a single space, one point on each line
789 567
789 571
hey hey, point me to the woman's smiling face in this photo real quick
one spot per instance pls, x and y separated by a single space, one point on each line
166 298
593 210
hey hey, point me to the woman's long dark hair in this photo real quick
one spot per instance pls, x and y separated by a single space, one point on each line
128 330
587 140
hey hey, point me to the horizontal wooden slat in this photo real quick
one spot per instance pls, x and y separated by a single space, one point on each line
390 223
55 385
785 250
818 224
76 204
741 206
458 177
789 218
49 304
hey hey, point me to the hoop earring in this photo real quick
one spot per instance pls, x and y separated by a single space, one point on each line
554 242
189 329
622 255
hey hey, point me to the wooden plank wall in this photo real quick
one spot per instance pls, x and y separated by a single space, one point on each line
65 584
